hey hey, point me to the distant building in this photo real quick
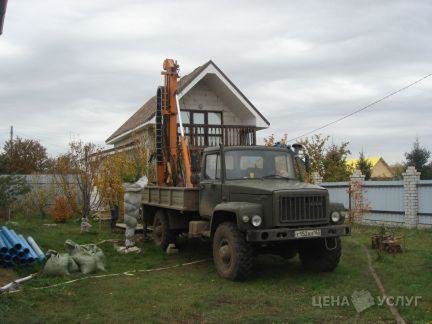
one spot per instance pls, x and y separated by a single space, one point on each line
380 168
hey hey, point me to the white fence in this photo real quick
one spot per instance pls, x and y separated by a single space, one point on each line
390 202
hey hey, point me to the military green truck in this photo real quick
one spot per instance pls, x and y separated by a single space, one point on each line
251 200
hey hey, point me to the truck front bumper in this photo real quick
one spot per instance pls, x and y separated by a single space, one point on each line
287 234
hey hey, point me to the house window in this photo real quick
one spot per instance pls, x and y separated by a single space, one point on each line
202 128
185 116
214 118
199 118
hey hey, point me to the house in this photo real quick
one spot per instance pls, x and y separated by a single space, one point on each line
214 111
380 169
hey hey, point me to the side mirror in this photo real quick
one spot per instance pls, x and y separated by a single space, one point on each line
307 163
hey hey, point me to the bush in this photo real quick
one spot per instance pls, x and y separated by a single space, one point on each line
35 202
12 187
61 211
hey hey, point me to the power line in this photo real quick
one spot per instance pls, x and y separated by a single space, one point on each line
362 108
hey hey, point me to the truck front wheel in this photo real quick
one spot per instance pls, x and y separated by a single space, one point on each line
162 235
321 255
232 255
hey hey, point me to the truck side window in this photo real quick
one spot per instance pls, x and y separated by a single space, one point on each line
212 167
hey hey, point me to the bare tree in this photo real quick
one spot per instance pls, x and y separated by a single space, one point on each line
77 175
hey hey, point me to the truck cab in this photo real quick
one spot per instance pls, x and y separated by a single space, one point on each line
260 191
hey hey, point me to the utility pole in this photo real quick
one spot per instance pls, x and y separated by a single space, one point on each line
11 134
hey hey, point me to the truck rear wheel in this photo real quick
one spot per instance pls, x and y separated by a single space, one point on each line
162 235
319 255
232 255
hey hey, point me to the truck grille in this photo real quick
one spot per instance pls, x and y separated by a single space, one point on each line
302 209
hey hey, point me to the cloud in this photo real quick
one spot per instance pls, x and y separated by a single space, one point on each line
70 68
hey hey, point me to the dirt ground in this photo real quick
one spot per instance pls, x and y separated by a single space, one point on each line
6 276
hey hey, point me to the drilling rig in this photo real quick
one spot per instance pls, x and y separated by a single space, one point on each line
173 162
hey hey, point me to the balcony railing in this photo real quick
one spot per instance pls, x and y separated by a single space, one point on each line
200 136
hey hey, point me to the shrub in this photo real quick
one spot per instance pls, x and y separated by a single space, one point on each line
35 202
61 211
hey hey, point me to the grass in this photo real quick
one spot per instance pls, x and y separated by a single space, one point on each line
279 291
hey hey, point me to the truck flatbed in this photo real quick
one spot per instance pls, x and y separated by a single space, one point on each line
178 198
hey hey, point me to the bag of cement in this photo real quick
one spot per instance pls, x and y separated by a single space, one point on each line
89 257
57 264
72 266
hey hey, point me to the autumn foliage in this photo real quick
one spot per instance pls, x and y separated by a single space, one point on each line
61 210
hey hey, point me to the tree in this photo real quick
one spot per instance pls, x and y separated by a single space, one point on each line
335 166
315 147
76 174
24 156
3 167
418 157
328 160
398 169
364 166
114 170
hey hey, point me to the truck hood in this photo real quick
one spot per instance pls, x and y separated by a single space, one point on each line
267 186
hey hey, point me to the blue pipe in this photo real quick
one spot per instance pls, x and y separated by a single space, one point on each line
31 252
8 264
30 260
3 247
22 241
35 247
7 257
25 248
8 244
22 260
7 233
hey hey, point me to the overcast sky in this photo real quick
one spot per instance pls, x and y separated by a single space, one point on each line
80 68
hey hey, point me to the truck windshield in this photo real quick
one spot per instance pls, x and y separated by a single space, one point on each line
255 164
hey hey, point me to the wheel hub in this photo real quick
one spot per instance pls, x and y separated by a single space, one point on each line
225 252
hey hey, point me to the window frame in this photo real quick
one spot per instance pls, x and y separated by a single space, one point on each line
201 131
218 169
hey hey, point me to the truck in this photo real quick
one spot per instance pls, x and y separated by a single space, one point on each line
246 200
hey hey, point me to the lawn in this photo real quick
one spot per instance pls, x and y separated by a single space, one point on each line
279 291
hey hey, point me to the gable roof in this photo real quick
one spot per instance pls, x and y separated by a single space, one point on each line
373 160
148 110
145 114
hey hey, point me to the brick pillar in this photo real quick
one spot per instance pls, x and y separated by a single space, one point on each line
411 201
316 178
357 205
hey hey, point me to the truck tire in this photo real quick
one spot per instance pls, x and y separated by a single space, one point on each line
316 255
232 255
162 235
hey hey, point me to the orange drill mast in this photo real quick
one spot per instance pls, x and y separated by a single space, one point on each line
168 122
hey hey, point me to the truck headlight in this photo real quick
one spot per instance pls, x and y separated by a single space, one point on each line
256 220
245 218
335 217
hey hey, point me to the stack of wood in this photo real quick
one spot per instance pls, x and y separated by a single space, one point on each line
387 241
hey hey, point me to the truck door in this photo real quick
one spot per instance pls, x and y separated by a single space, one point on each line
210 186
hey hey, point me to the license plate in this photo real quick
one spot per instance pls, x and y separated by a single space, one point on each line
307 233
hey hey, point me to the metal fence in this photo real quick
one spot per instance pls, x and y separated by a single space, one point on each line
425 202
44 180
385 200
